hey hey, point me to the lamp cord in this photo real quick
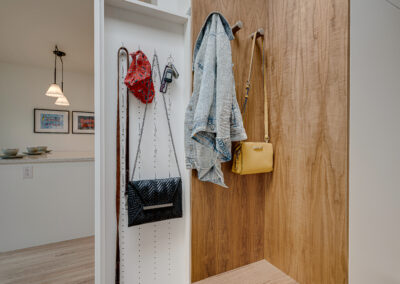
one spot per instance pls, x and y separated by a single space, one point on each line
55 68
62 74
59 54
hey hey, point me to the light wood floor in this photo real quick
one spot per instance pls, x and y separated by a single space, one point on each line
68 262
260 272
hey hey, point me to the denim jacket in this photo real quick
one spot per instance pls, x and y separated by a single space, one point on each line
213 119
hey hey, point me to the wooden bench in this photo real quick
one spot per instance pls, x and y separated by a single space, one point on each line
260 272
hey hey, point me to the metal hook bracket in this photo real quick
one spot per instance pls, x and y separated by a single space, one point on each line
258 33
236 27
58 52
170 59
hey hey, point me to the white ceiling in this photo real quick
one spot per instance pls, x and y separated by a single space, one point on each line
29 30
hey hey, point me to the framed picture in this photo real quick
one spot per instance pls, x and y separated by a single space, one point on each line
82 122
50 121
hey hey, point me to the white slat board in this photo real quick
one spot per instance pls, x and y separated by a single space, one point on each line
158 252
123 62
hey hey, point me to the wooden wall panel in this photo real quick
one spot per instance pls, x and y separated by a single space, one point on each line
306 216
228 224
296 218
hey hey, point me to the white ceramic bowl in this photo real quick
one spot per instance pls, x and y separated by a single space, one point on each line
10 152
32 149
42 148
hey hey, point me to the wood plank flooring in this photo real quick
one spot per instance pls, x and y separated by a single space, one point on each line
260 272
68 262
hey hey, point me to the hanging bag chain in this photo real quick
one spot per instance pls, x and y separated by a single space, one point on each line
155 62
254 157
154 200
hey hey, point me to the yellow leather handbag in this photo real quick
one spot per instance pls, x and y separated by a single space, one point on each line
254 157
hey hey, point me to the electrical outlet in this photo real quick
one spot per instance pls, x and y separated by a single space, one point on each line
27 172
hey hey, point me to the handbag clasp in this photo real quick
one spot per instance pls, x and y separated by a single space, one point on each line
158 206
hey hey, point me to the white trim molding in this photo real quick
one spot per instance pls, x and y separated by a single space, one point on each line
100 235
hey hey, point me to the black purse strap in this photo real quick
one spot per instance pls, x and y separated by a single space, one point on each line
154 63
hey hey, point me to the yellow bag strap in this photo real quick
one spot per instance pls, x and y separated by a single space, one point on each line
253 46
266 123
246 95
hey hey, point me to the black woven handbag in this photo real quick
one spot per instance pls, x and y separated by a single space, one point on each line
154 200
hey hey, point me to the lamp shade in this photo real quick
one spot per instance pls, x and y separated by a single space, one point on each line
54 91
62 101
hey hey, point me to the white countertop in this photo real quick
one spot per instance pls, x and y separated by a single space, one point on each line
53 157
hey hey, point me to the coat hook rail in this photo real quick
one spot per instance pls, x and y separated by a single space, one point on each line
258 33
236 27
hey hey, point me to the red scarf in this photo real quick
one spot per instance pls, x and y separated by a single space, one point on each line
139 80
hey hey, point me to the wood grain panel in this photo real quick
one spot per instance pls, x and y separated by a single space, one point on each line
228 224
306 201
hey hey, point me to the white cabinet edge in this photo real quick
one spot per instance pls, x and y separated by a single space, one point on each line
149 10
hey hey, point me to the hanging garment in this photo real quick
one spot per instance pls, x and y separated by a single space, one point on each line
138 80
213 119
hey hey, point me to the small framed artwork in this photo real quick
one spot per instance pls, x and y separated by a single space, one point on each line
82 122
51 121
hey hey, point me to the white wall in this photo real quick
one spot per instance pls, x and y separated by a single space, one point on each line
56 205
179 6
22 88
374 143
150 256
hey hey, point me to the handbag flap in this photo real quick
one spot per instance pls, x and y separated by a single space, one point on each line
256 157
157 191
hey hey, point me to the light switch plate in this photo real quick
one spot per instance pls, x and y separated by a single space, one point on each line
27 172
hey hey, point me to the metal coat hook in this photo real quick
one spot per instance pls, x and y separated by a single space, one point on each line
258 33
170 59
236 27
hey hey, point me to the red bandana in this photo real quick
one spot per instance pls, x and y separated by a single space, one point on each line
139 80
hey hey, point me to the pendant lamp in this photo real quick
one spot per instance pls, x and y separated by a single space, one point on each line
62 101
54 89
